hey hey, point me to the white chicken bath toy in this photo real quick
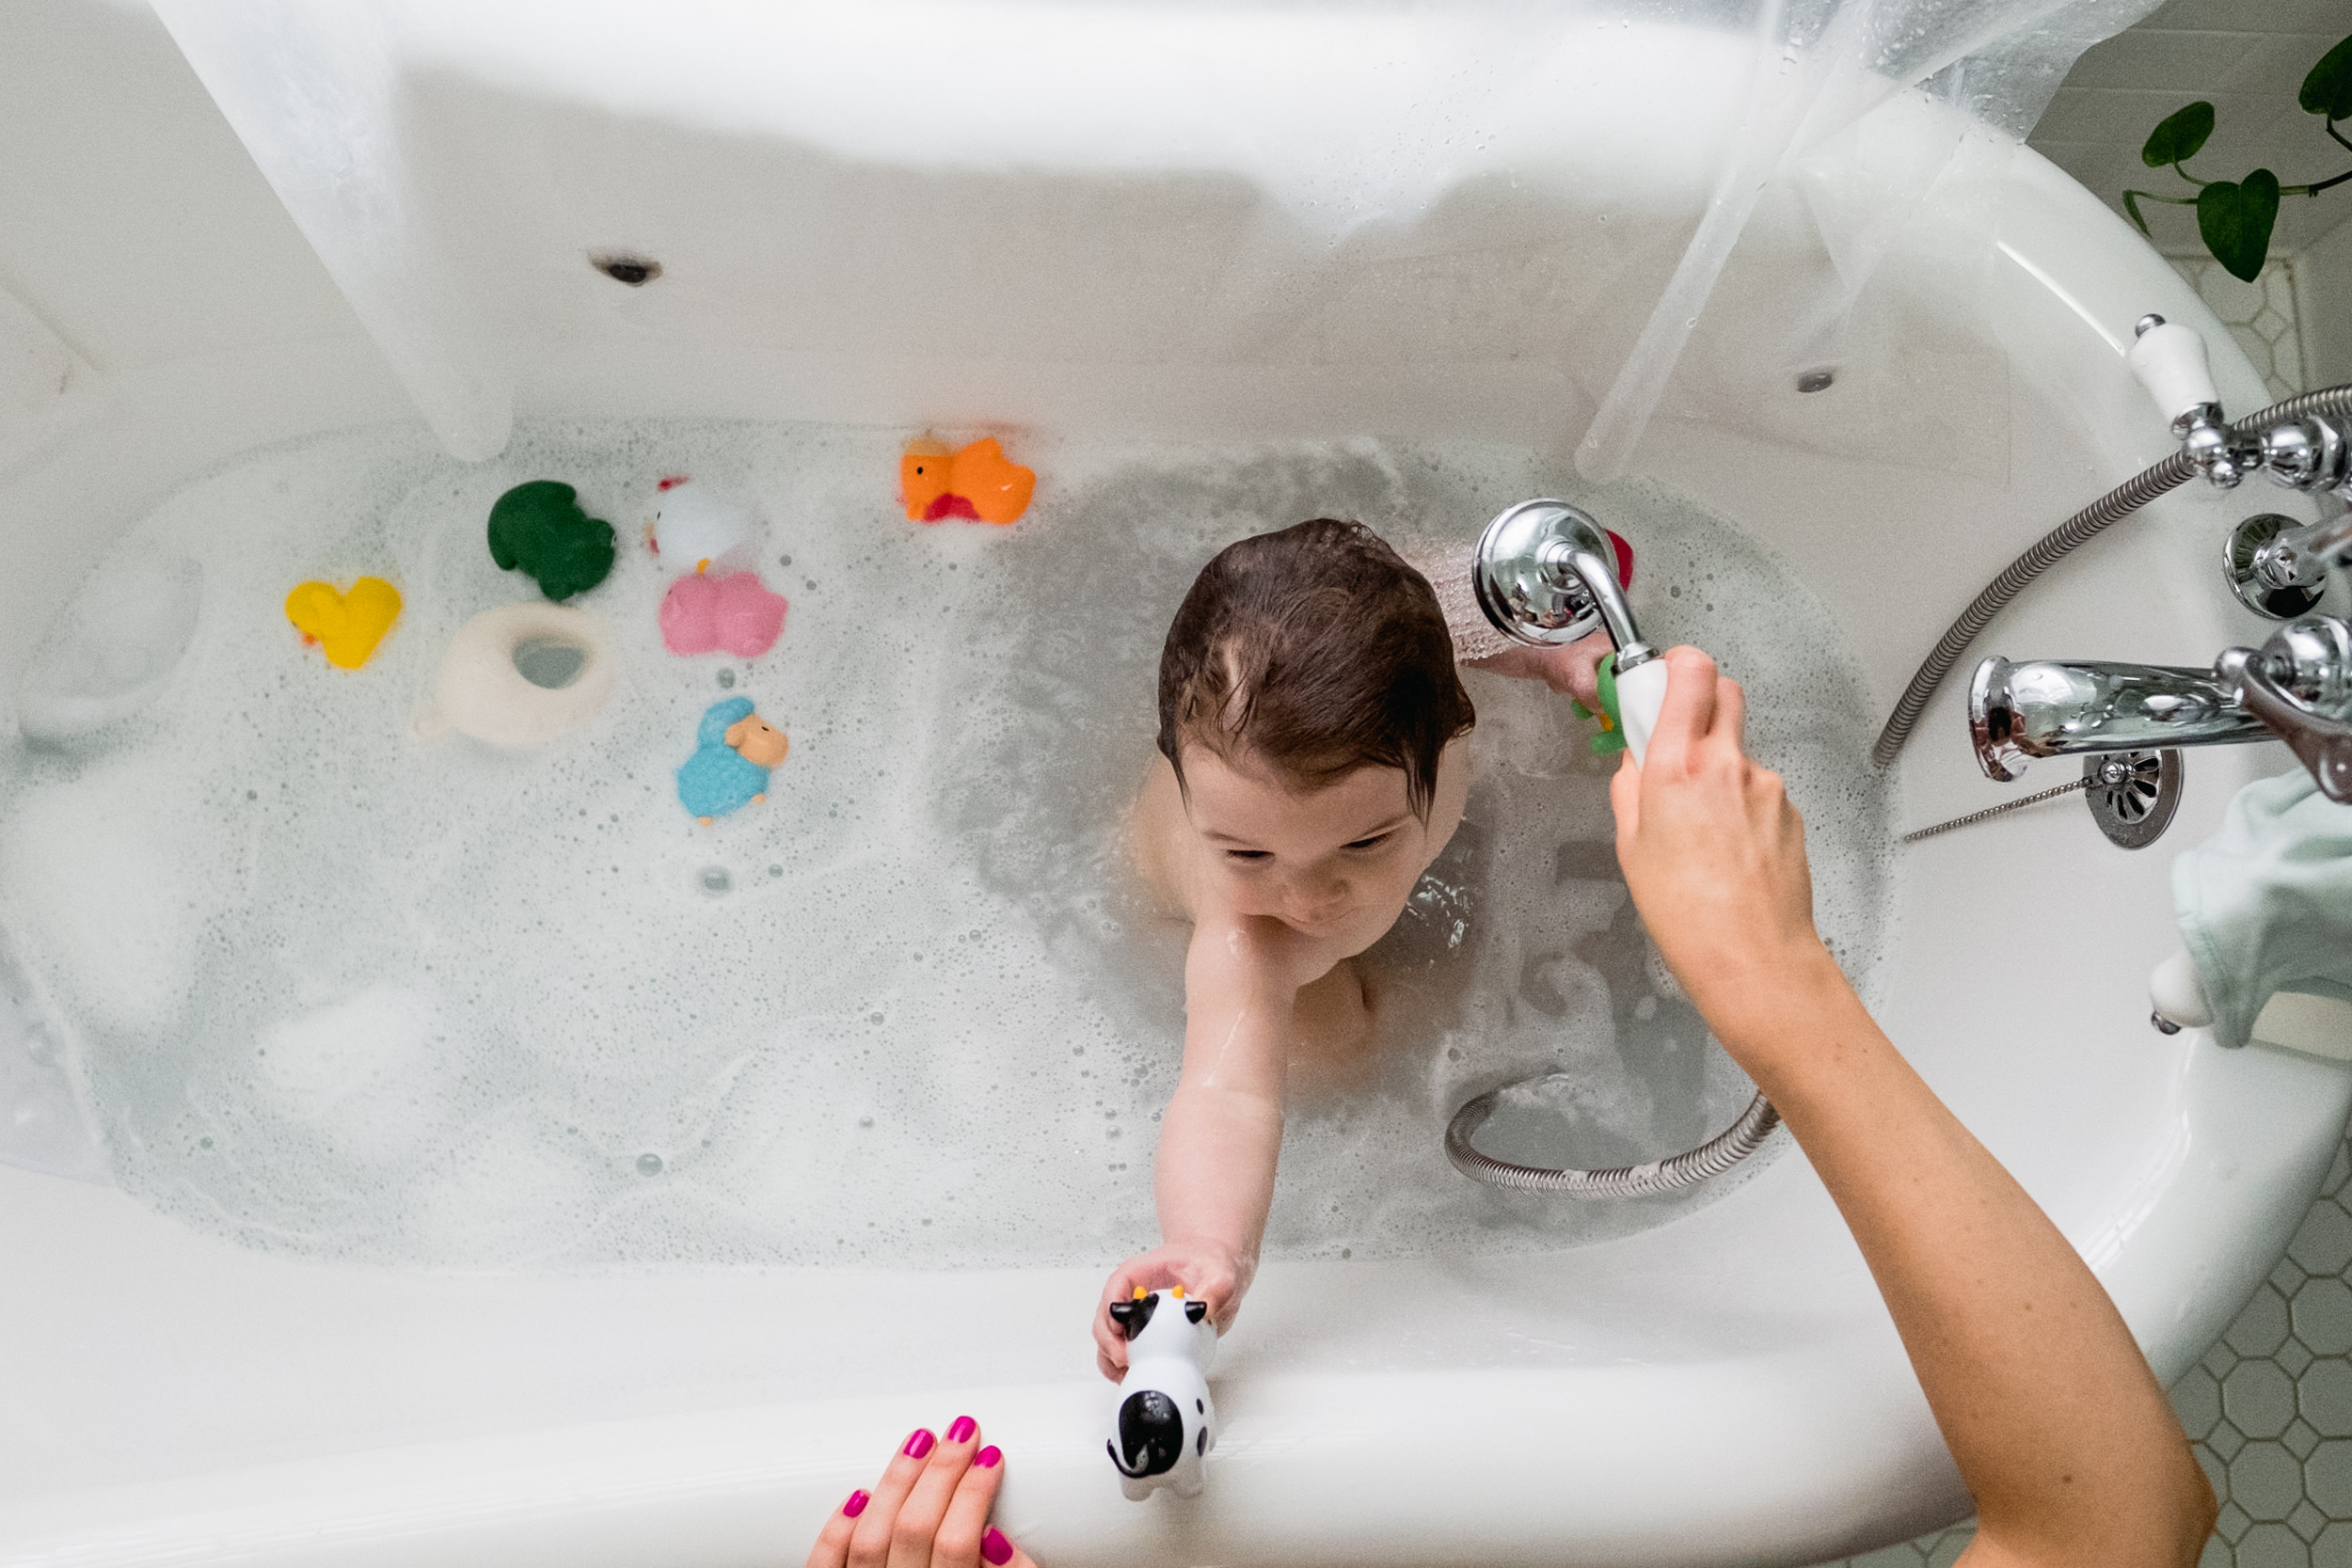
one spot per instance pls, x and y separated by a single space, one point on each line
694 529
1167 1423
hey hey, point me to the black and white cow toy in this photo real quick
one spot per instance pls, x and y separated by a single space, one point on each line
1167 1423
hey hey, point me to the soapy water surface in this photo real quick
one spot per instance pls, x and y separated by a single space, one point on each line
338 986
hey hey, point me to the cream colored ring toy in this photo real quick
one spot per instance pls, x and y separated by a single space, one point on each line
523 673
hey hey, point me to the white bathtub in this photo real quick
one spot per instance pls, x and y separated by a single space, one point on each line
1721 1389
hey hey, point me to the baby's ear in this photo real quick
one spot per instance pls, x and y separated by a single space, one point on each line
736 733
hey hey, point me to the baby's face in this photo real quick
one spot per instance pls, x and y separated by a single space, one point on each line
1334 863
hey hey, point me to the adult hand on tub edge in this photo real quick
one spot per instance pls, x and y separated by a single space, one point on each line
929 1509
2059 1429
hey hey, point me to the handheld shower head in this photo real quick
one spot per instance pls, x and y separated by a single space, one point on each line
1545 575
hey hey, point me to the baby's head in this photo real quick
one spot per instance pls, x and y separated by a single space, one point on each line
1310 653
1308 681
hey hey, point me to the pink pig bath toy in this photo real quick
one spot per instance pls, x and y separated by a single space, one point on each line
736 615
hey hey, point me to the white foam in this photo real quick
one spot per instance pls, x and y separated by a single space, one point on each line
410 999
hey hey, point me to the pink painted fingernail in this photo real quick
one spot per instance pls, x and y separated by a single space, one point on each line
995 1547
989 1457
962 1430
856 1504
920 1443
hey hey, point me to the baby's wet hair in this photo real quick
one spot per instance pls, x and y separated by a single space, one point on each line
1320 650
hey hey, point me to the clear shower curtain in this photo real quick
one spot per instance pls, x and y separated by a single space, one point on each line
1347 113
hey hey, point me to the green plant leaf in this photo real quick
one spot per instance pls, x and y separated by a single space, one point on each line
2327 90
2235 219
2178 136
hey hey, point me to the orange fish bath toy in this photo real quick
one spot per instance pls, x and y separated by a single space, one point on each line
979 482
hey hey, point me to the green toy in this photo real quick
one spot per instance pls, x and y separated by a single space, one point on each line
540 528
1612 737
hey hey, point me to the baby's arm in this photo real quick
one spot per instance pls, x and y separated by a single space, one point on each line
1571 670
1222 1131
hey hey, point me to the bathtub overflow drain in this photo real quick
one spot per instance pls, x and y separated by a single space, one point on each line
2133 795
622 267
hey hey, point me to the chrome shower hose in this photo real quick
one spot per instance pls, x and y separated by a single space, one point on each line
1703 1164
2062 541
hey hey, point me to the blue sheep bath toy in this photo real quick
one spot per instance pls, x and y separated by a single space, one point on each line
734 752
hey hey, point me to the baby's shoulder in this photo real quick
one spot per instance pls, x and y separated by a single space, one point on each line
1162 844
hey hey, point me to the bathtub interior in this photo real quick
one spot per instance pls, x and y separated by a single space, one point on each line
273 912
1983 396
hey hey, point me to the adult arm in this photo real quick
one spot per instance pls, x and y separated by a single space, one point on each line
2059 1429
1222 1131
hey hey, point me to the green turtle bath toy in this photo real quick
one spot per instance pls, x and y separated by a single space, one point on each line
539 527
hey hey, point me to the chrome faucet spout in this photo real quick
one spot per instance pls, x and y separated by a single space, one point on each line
2066 707
2296 687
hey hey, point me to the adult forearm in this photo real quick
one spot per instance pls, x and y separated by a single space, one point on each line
2057 1425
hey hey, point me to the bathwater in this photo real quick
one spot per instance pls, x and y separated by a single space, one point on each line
340 982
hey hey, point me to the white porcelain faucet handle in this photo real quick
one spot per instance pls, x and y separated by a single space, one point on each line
2177 994
2169 360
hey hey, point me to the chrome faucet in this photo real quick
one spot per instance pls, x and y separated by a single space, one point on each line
2297 687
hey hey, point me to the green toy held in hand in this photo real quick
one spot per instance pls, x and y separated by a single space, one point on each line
1611 740
540 528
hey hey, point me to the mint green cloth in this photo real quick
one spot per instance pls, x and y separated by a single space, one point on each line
2265 904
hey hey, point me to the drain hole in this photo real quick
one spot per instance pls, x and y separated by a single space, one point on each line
2133 795
549 664
635 271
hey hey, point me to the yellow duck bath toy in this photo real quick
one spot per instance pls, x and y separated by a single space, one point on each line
979 482
347 626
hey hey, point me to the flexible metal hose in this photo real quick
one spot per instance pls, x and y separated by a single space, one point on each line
1709 1160
2113 507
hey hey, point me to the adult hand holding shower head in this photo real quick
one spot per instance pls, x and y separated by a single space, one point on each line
1545 576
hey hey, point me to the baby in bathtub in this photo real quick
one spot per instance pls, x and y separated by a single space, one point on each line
1312 740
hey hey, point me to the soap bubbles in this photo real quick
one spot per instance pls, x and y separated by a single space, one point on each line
348 989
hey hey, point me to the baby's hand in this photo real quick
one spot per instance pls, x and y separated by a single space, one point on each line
1571 669
1208 1270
